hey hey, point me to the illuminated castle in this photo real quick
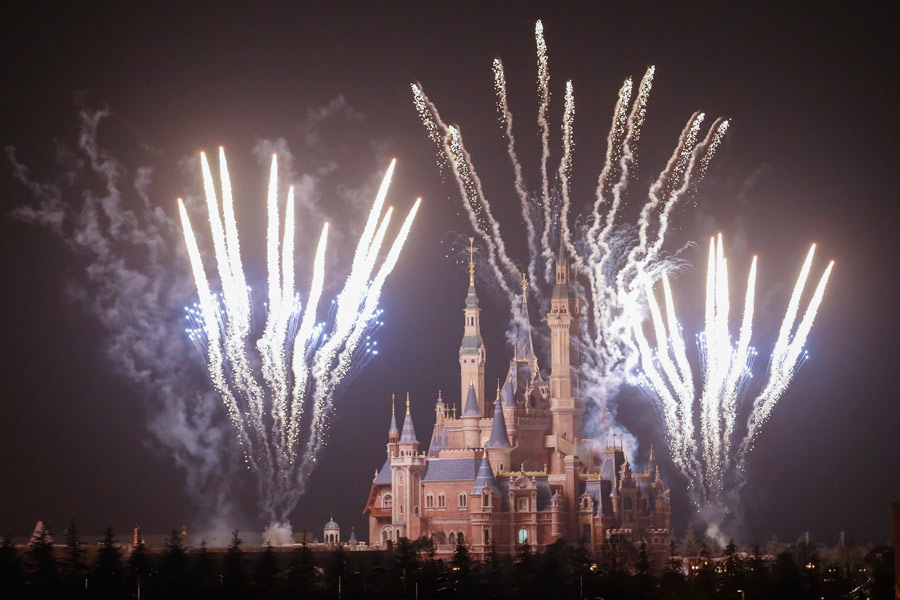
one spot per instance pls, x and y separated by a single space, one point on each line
515 471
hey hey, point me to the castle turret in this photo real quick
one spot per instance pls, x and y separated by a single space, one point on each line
472 351
408 442
565 405
470 416
393 431
498 446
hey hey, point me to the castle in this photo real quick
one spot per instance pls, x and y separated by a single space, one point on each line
518 471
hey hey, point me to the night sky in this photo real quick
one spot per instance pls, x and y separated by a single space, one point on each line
810 157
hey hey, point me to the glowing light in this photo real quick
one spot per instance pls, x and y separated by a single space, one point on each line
268 417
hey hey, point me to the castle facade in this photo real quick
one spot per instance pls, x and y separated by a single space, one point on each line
516 470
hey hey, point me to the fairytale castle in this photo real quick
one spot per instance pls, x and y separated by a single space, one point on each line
516 471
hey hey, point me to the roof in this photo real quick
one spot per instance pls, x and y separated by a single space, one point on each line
508 393
384 475
332 525
485 478
409 432
499 438
451 469
472 297
471 408
436 442
352 535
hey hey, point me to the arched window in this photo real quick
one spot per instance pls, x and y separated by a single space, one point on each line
461 538
523 536
429 501
463 500
442 500
387 501
416 511
452 539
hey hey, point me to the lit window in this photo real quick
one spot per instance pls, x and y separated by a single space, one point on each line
523 536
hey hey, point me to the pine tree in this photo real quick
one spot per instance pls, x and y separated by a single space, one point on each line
689 546
303 569
12 575
234 578
42 572
266 571
74 566
107 580
204 572
138 566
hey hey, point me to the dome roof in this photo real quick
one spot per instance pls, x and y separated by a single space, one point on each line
331 525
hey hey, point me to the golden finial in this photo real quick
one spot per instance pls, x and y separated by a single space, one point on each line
651 452
498 388
393 404
407 401
484 454
472 251
439 395
524 288
454 411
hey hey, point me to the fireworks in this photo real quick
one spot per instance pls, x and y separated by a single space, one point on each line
726 370
617 264
302 363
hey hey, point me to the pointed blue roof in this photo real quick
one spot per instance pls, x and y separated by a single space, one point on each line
436 444
471 409
409 432
352 535
485 478
508 394
393 429
499 439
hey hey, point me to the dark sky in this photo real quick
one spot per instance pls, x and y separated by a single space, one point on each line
810 88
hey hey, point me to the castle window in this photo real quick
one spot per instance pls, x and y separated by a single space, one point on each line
452 539
523 504
523 536
416 511
461 538
486 499
463 500
429 501
487 537
442 500
387 501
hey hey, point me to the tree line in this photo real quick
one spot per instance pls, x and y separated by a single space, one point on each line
410 569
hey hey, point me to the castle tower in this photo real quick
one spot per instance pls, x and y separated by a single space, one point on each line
470 417
498 446
471 351
393 432
565 406
407 469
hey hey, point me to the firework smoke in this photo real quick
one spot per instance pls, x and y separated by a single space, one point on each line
705 453
268 417
617 264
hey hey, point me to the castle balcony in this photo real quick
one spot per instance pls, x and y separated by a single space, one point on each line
380 512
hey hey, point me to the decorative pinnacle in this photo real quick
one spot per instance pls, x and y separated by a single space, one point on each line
524 288
472 251
651 452
407 401
393 404
498 388
439 395
484 454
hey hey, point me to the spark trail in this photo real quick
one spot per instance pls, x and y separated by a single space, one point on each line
617 263
705 454
303 364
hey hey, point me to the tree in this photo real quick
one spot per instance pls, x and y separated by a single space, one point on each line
234 578
302 571
689 546
880 561
12 575
266 570
42 573
644 572
173 567
74 566
107 580
138 566
204 572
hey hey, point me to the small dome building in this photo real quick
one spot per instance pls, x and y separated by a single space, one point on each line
332 532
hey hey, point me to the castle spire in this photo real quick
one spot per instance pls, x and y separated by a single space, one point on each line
393 431
472 251
471 408
499 438
408 435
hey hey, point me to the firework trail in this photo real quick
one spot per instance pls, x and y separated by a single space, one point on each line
618 263
725 371
544 126
268 417
506 119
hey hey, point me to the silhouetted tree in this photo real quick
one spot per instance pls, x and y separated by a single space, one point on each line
689 546
644 573
266 571
138 567
880 561
108 570
12 575
302 571
43 577
234 578
204 573
74 567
